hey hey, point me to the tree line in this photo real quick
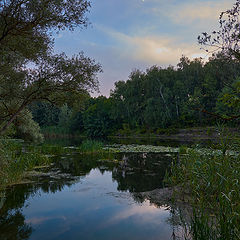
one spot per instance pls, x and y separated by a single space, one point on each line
189 95
41 88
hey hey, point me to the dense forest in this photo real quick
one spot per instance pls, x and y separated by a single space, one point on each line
41 89
189 95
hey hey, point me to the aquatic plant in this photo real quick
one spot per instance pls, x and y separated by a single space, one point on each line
139 148
91 146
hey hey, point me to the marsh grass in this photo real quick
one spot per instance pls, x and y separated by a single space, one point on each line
58 132
212 181
15 160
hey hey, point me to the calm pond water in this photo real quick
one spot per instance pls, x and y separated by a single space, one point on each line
90 197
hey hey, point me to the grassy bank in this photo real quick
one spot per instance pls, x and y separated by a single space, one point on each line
17 159
212 185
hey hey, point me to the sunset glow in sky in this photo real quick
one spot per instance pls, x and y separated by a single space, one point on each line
135 34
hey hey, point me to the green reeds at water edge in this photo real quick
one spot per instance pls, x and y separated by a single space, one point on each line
213 185
16 159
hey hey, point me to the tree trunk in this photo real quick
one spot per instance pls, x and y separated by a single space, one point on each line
167 109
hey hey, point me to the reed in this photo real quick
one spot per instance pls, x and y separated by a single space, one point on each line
16 160
212 182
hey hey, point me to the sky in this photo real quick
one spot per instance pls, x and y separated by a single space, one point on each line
125 35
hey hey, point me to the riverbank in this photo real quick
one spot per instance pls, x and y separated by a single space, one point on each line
180 135
184 135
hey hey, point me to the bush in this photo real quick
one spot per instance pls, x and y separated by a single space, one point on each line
27 128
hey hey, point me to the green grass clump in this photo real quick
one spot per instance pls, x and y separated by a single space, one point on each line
213 183
16 160
91 146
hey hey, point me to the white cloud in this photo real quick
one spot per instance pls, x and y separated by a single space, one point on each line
143 213
161 50
197 11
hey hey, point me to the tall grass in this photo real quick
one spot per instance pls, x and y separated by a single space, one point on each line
15 160
213 182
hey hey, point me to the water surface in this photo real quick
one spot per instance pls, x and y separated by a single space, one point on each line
91 197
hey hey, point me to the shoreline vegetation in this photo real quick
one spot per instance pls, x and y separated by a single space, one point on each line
199 179
48 93
208 181
182 134
210 185
19 160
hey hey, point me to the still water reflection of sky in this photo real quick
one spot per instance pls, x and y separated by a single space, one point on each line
93 208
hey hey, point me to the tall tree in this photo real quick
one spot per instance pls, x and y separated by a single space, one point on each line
227 38
226 41
34 73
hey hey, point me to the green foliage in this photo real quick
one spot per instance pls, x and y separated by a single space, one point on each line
27 129
125 131
77 125
157 101
230 97
65 117
163 98
16 160
183 149
44 113
34 73
96 119
91 146
213 184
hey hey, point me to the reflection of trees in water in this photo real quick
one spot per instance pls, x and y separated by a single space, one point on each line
141 171
180 213
13 226
12 221
82 164
136 173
